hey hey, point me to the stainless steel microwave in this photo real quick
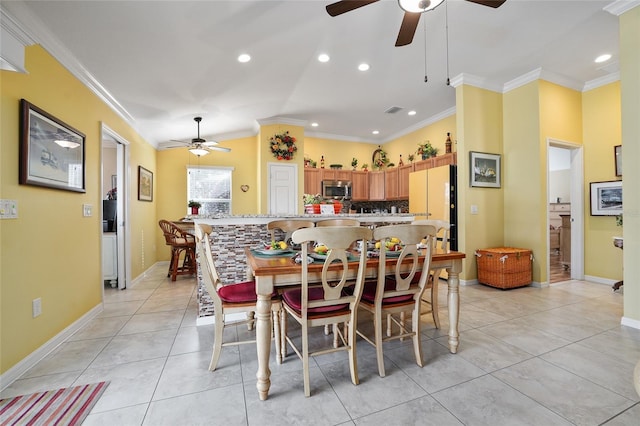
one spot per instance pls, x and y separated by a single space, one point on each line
336 189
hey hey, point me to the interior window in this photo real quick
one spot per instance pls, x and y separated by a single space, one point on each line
211 186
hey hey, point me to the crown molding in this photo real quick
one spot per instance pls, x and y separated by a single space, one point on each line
475 81
602 81
281 120
542 74
435 118
619 7
13 40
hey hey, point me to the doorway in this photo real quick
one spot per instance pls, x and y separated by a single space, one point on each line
565 217
116 265
282 189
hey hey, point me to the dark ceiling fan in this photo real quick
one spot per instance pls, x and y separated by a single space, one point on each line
412 11
197 146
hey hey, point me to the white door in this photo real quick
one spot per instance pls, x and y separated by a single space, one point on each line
283 189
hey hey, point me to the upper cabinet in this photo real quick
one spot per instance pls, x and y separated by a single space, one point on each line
312 181
391 184
360 186
333 174
376 186
403 181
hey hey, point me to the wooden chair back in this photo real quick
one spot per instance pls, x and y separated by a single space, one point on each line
338 222
287 226
410 235
442 231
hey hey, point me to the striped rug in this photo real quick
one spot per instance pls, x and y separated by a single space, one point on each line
67 406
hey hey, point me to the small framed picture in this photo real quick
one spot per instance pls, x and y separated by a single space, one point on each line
617 150
484 170
145 184
51 151
606 198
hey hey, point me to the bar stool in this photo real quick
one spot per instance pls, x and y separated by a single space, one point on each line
179 241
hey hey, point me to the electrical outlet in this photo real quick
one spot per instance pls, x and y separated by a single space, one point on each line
36 307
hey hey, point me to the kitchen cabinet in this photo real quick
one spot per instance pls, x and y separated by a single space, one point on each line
360 186
110 257
403 181
334 174
376 186
312 181
391 184
423 165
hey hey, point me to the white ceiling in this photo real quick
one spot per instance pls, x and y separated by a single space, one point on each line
165 62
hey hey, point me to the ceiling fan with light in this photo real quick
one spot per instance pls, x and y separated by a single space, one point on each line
197 146
412 11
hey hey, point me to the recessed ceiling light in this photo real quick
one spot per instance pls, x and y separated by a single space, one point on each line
603 58
412 112
244 58
363 67
323 57
375 132
314 124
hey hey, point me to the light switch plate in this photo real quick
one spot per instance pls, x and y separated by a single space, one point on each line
474 209
87 210
8 209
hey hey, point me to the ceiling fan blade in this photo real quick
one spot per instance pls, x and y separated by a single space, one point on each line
490 3
408 28
209 143
340 7
173 144
217 148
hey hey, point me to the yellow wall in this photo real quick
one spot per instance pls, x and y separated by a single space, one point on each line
51 251
602 131
479 128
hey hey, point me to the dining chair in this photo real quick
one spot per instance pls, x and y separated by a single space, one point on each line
338 222
328 303
180 241
395 292
442 240
287 226
231 299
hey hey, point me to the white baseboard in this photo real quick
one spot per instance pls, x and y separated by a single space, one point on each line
599 280
468 282
629 322
38 355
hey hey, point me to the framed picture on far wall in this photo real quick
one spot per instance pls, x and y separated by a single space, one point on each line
618 156
606 198
145 184
485 169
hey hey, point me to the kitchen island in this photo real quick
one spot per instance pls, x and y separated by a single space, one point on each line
231 234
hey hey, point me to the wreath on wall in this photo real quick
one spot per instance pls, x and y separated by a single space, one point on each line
283 146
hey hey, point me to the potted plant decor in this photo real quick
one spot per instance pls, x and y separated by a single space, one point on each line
195 206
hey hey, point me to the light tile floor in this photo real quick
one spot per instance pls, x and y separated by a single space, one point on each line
528 356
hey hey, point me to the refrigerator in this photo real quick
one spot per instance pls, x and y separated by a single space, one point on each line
432 195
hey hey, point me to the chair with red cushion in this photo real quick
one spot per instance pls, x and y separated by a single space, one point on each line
442 239
396 292
317 304
230 299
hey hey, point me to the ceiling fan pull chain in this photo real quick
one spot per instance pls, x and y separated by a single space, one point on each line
446 26
424 26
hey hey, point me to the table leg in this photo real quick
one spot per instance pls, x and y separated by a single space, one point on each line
263 335
454 306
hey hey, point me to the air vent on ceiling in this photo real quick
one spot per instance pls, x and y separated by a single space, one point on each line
393 110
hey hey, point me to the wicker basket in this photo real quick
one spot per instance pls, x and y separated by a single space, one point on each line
504 267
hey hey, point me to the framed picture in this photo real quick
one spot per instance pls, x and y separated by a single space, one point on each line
606 198
145 184
618 156
51 151
484 169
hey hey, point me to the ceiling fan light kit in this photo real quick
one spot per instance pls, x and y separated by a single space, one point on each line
198 150
418 6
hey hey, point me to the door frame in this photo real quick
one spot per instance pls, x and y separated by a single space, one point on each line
123 178
577 206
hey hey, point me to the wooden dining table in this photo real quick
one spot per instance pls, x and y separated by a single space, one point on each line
271 272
